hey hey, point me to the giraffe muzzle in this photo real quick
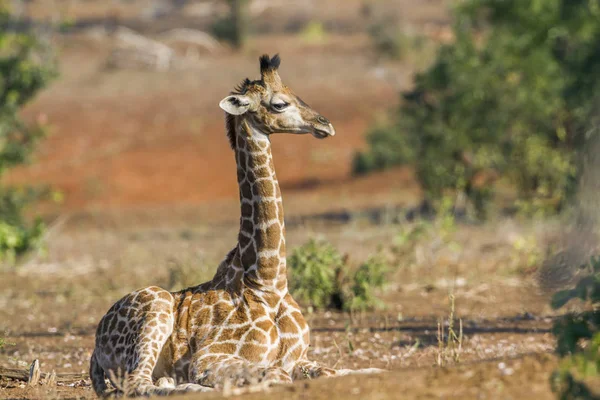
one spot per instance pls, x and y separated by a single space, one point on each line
324 128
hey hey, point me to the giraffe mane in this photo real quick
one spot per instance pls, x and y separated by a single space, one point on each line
230 129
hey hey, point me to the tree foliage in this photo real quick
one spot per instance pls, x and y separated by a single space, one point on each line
512 97
24 70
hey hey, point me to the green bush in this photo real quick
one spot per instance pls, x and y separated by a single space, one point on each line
513 97
578 337
24 70
314 268
320 278
369 277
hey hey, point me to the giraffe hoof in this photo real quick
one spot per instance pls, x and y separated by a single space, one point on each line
166 382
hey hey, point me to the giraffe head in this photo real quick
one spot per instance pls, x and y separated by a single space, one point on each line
271 107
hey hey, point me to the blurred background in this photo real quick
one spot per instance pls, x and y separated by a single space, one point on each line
444 225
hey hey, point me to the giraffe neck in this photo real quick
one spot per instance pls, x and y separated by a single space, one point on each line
261 240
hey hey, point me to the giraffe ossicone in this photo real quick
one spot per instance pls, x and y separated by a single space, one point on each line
243 326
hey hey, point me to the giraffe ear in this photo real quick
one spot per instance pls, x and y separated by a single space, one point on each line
236 104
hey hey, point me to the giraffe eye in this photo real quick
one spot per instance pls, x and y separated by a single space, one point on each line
280 106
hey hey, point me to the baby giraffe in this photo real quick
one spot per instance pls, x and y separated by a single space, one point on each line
243 326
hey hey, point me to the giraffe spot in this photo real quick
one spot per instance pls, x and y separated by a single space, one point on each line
280 214
146 296
281 283
256 312
239 317
251 352
249 256
286 325
244 241
264 325
253 146
163 318
262 172
295 354
299 319
239 332
268 267
287 343
250 176
272 301
202 316
241 159
220 313
165 295
274 335
226 334
245 190
263 189
273 354
246 211
269 239
226 348
121 326
264 211
260 159
257 336
247 225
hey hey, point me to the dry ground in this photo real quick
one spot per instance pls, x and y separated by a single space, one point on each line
150 198
50 305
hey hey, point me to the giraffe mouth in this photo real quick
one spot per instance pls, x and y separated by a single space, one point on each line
321 133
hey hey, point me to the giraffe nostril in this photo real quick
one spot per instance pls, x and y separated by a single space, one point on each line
323 120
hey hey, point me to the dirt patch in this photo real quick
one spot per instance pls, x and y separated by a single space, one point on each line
50 306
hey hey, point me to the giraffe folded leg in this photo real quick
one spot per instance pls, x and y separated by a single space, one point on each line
129 341
305 369
219 370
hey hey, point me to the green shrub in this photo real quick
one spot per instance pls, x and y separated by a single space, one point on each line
578 337
513 98
314 268
369 277
320 278
24 69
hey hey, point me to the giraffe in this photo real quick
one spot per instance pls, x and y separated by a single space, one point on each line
243 326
